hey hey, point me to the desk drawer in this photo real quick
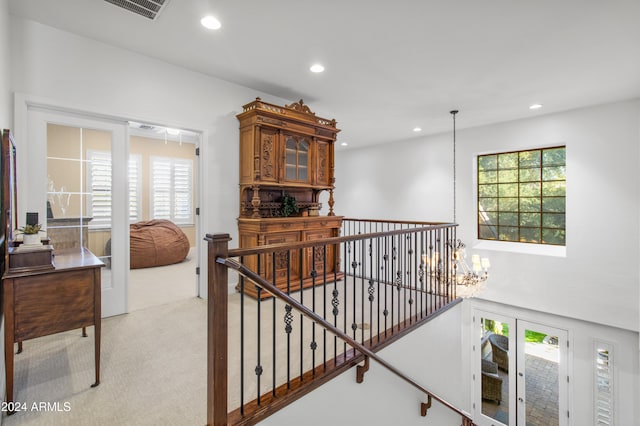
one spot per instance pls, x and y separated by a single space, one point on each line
52 303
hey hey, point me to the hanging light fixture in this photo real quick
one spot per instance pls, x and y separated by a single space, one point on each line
469 281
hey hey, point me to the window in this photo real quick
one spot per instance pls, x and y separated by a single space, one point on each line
521 196
99 178
604 384
171 189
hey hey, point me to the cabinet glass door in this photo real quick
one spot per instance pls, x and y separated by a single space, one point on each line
296 159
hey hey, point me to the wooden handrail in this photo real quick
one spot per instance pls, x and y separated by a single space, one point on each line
260 281
270 248
399 222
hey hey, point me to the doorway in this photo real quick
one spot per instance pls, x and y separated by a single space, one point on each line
520 372
163 164
94 192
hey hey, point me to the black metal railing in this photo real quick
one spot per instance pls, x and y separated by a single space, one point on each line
307 311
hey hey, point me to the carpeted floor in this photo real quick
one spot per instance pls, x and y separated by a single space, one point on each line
154 361
153 371
163 284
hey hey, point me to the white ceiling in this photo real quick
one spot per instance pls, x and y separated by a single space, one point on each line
390 65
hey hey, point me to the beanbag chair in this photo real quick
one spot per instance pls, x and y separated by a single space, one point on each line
156 242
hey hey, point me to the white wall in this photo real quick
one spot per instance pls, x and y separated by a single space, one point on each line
438 355
431 355
5 122
597 280
60 68
5 91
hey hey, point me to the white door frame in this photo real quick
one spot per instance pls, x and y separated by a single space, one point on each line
115 292
24 102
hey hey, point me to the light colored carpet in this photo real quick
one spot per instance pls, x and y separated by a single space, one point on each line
153 371
154 361
163 284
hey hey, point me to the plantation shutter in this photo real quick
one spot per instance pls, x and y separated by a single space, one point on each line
100 187
171 197
99 177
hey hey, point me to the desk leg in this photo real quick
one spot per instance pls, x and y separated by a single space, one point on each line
9 337
84 331
97 350
97 319
19 347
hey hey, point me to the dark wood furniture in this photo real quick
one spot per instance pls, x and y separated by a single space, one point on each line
286 150
41 302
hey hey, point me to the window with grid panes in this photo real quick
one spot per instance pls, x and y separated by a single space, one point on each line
521 196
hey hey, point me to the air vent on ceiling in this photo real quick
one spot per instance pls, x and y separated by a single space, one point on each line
147 8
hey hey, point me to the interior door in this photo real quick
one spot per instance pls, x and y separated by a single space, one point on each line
77 182
542 375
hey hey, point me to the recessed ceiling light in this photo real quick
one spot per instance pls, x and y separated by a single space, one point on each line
417 129
316 68
535 106
211 22
344 144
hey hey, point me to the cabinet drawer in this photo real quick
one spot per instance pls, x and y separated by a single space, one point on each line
52 303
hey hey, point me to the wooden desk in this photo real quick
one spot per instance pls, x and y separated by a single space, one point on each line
38 303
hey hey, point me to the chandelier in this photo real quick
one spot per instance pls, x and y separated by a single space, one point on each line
469 281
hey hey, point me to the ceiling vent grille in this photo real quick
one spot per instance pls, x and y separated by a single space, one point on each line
147 8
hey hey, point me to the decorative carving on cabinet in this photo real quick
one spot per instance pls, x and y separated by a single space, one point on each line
267 148
322 163
300 106
281 259
287 151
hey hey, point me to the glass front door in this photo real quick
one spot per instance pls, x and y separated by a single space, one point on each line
494 362
542 355
520 372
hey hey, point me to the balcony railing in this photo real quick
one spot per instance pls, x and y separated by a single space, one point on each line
366 289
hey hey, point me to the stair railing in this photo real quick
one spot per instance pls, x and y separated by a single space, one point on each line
217 403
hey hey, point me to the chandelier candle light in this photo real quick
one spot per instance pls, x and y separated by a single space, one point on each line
470 281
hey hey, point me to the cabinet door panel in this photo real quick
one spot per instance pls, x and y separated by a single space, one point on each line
321 258
284 260
322 166
268 155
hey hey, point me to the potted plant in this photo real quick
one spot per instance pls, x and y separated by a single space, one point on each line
289 205
31 234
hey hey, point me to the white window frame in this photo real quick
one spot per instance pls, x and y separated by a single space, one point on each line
180 213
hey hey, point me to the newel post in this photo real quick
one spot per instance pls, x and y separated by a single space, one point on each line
217 333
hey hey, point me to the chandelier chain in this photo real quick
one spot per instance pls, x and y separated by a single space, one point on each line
453 114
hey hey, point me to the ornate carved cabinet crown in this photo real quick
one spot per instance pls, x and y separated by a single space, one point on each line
286 161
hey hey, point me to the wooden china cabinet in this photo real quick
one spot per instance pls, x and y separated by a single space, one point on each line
287 151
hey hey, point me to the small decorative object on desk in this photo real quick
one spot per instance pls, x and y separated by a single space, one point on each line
31 234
